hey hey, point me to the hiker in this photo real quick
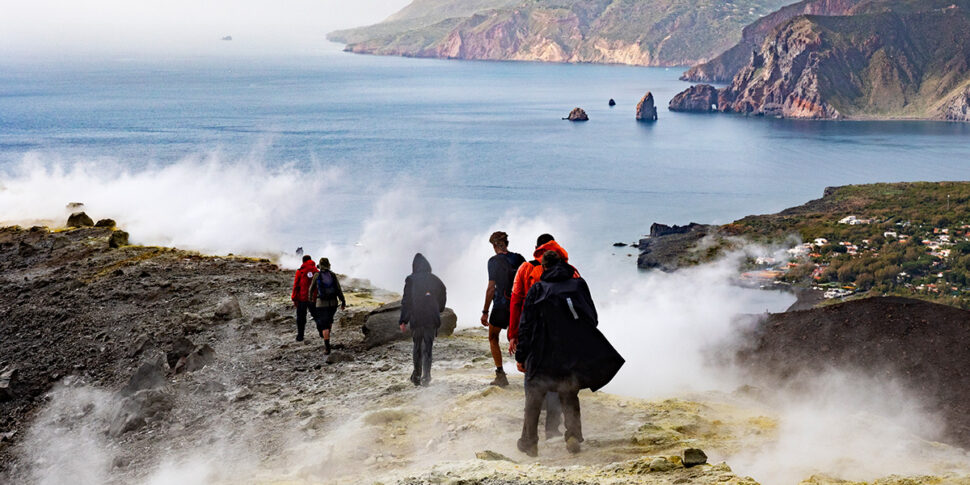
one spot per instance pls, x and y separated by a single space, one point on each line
501 274
560 349
325 291
421 307
526 276
300 294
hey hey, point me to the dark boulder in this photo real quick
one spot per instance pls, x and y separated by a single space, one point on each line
150 375
180 349
196 360
577 114
79 219
117 239
139 409
382 325
701 98
7 383
694 457
228 309
106 223
646 110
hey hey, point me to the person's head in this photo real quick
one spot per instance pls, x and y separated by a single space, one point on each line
324 263
550 259
500 241
306 258
544 239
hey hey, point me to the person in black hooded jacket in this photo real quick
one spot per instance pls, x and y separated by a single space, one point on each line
561 350
421 306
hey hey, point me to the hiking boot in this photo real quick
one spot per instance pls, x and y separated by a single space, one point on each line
425 381
572 445
501 380
527 448
416 378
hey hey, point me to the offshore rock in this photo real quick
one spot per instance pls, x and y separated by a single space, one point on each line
577 114
667 246
612 102
382 325
701 98
79 219
646 110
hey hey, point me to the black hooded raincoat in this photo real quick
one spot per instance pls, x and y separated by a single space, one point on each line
424 297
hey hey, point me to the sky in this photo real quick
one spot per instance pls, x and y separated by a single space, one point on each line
150 27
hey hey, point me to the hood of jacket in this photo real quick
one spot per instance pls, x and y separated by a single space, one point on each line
420 264
559 272
550 246
308 266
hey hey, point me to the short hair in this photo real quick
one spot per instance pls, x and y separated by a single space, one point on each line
325 263
550 258
544 239
306 258
499 238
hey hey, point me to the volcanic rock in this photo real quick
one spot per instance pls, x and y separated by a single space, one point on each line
698 99
383 325
149 376
577 114
612 102
136 410
79 219
228 309
694 457
118 239
180 349
666 246
337 357
921 344
7 383
646 111
196 360
109 223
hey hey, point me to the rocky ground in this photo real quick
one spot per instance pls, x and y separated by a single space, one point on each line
158 366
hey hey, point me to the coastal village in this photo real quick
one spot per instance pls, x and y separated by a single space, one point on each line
891 257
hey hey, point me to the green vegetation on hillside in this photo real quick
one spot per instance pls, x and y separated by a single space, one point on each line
909 239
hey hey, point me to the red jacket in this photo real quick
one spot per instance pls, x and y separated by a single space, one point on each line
527 275
302 280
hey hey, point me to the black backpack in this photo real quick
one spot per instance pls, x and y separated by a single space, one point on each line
326 285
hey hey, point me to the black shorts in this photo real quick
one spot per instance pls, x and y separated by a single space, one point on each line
500 316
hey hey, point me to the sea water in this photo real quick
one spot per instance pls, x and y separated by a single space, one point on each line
473 144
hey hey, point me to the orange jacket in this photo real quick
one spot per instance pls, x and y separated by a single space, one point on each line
527 275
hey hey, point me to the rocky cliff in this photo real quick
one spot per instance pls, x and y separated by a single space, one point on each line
638 32
722 68
890 59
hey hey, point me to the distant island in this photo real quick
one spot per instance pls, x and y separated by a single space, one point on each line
875 59
635 32
903 239
228 37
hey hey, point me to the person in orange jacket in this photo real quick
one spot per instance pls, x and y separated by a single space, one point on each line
300 294
528 274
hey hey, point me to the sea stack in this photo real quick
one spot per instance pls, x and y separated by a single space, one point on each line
698 99
646 111
577 114
612 102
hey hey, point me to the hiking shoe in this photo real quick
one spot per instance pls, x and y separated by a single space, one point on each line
501 380
529 449
572 445
416 378
425 381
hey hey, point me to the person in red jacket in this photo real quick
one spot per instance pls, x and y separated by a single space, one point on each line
529 274
301 292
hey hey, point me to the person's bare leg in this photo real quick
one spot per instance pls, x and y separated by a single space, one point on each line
493 342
